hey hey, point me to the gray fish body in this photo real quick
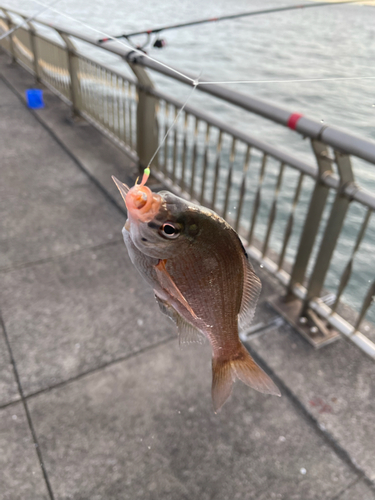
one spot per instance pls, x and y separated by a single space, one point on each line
208 270
203 281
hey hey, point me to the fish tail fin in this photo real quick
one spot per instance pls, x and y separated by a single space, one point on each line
251 374
222 381
243 367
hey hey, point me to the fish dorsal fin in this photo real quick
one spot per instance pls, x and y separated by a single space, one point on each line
166 281
251 291
187 333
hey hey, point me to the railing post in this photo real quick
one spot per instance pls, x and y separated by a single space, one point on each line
332 230
32 32
296 312
147 125
10 26
314 215
73 66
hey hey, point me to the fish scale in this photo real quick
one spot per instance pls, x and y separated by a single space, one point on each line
212 286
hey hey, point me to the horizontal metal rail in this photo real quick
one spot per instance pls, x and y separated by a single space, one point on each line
333 136
331 180
291 214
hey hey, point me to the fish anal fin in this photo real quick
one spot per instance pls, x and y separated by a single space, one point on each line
252 287
243 367
187 333
166 281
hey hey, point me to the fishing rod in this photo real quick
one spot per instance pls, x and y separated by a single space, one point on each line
159 43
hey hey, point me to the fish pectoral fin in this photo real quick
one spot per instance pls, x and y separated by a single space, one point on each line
166 281
250 294
241 366
166 308
187 333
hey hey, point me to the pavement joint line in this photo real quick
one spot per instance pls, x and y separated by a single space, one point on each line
340 493
27 412
341 452
22 265
63 383
11 403
262 329
65 148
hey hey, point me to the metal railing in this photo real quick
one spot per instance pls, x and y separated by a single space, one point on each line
291 214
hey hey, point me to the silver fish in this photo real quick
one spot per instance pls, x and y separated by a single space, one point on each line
202 279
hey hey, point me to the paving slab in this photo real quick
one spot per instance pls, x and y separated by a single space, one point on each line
47 205
76 313
359 491
335 384
8 386
21 476
144 428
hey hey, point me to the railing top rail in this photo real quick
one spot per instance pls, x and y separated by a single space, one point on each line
331 180
332 136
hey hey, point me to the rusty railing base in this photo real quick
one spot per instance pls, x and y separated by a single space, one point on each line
312 328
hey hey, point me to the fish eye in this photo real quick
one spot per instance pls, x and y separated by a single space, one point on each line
169 230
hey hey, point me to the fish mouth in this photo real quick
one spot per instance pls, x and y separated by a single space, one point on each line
141 203
123 188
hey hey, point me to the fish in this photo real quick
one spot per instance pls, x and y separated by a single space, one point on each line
201 277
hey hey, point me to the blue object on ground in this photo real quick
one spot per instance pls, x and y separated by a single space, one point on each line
34 98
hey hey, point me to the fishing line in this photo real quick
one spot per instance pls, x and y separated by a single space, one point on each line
173 123
28 19
291 81
132 48
194 82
